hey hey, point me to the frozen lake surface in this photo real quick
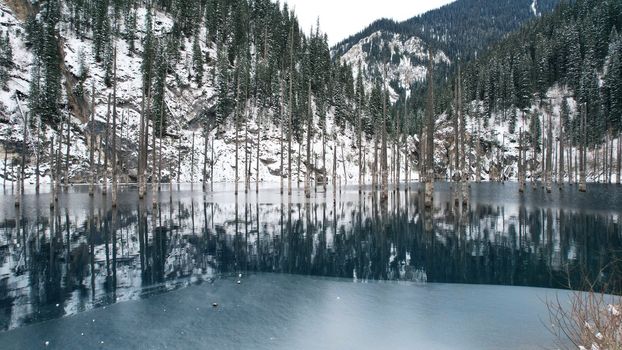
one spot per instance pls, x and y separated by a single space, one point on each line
280 311
340 271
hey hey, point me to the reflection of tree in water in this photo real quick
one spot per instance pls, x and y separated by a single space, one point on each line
81 260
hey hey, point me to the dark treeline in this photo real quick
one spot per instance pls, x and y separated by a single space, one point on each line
577 46
463 29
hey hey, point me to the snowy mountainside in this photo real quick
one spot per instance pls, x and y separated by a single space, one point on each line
406 57
184 140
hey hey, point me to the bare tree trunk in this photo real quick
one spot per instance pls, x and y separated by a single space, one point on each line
53 197
247 167
582 158
114 134
5 168
68 140
374 179
406 149
610 166
161 136
291 113
205 142
521 187
179 162
384 156
107 132
237 132
59 154
212 166
619 159
18 193
560 168
22 173
334 163
298 164
309 131
281 117
478 150
398 131
549 149
192 160
38 157
92 144
141 150
570 167
257 179
359 140
429 185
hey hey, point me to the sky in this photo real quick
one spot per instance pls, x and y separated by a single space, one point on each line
341 18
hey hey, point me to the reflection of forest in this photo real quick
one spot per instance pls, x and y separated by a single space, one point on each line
63 262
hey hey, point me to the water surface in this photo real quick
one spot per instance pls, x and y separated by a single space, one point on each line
83 255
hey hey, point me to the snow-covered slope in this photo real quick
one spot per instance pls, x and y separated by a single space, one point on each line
406 59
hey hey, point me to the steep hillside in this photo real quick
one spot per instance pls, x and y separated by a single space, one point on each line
215 83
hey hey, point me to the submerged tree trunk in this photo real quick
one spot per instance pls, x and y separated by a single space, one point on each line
160 137
281 117
429 184
68 140
205 142
521 183
309 131
549 154
237 131
141 150
114 133
384 155
560 168
619 159
106 138
582 157
53 175
257 179
91 145
38 158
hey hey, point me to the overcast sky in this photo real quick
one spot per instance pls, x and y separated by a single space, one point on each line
341 18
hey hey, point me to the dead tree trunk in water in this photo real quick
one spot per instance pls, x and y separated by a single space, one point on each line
141 150
582 151
429 184
53 176
106 137
549 154
384 170
205 142
257 179
92 144
59 154
619 160
38 157
359 140
308 165
291 112
281 117
68 140
236 123
114 133
521 182
560 168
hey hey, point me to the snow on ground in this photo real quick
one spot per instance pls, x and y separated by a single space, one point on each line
185 99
